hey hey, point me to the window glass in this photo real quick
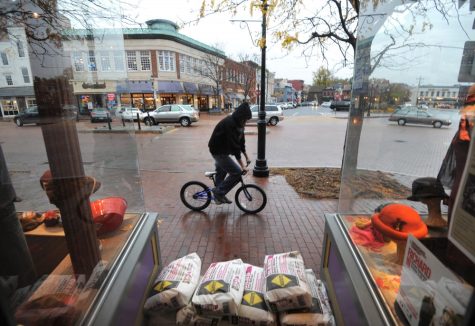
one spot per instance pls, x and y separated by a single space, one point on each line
175 108
4 58
92 61
26 76
78 61
145 60
9 80
119 61
166 60
132 61
21 50
105 61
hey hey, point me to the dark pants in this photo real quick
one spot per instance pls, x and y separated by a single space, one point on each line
225 165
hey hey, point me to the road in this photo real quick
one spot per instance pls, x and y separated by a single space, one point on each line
308 137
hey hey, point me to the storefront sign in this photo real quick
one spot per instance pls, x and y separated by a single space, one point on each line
94 86
429 293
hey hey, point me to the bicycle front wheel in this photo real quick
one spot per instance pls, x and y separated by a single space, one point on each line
195 195
251 199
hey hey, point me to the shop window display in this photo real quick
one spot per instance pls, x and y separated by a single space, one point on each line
397 255
65 241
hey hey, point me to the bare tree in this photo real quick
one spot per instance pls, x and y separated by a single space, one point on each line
249 74
211 70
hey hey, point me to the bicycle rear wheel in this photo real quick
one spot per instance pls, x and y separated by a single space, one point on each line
251 199
195 195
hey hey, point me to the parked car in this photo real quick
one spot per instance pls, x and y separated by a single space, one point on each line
326 104
274 114
30 115
340 105
185 115
413 114
128 113
309 103
192 107
100 114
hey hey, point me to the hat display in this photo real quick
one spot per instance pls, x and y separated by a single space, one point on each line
427 187
397 221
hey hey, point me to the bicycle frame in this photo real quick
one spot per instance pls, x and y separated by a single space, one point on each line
241 180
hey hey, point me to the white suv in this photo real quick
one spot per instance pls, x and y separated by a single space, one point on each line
274 114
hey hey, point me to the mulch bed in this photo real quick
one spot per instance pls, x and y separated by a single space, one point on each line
324 183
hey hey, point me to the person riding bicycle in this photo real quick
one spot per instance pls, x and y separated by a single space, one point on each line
228 139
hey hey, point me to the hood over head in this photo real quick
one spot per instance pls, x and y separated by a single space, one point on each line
242 113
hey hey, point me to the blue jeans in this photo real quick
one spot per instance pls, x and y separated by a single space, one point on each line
226 165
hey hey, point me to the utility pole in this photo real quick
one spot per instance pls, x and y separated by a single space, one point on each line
260 168
417 93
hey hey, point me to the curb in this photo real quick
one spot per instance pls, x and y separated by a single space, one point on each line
162 130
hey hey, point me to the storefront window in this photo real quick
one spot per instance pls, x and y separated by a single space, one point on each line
137 101
126 100
167 99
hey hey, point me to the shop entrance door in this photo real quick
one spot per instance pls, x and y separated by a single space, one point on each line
203 103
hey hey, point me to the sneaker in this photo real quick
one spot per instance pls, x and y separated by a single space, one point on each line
222 199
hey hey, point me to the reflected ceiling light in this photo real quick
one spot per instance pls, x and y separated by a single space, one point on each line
36 15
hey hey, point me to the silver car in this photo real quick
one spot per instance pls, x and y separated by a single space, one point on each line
274 114
412 114
185 115
128 113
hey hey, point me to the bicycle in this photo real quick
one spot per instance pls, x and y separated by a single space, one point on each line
196 195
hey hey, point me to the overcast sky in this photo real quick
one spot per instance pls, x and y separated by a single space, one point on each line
234 40
437 64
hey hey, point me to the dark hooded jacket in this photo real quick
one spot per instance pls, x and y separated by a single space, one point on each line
228 135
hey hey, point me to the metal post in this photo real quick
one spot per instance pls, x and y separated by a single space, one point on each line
109 121
138 121
261 169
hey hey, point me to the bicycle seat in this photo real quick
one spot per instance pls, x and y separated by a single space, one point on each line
210 174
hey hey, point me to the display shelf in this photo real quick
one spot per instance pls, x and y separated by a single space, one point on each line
130 259
363 278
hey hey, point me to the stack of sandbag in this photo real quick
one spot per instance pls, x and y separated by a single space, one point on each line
220 291
175 285
188 316
253 309
320 312
286 285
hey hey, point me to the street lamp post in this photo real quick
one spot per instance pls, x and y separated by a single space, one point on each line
260 168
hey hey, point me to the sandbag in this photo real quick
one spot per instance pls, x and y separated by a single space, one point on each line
188 316
175 285
220 290
286 286
312 316
253 309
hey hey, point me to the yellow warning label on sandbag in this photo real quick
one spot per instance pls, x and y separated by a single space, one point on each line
254 299
165 285
214 286
278 281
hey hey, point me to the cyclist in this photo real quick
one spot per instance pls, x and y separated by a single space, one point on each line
228 139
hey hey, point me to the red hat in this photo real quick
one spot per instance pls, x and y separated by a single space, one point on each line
397 221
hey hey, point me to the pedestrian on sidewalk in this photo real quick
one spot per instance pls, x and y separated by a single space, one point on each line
228 140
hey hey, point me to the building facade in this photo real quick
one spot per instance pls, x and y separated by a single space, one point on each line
437 96
143 68
16 84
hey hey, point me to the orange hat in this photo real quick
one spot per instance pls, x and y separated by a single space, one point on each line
397 221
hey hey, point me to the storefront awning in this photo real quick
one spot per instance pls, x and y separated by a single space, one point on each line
170 87
135 86
190 88
17 91
206 89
